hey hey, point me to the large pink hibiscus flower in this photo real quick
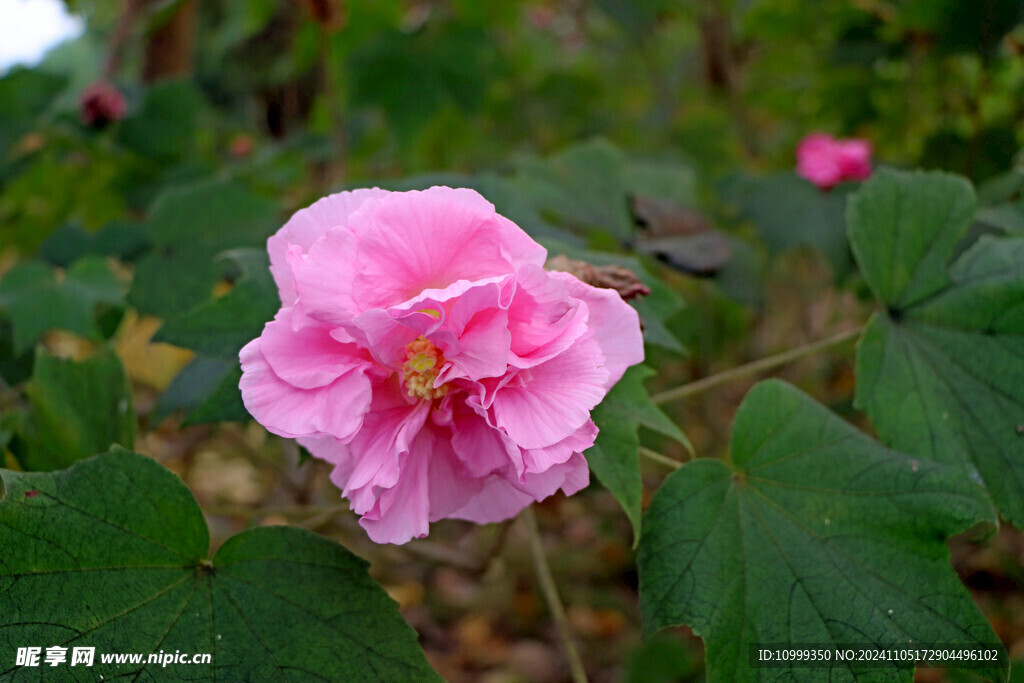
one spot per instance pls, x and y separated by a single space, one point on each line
422 350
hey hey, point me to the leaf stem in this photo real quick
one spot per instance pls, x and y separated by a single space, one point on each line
660 458
547 585
754 368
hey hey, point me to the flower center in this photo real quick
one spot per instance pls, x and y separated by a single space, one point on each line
423 361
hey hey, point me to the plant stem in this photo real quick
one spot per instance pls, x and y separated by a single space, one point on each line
547 585
660 458
754 368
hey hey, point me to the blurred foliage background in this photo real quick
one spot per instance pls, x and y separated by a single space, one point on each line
655 134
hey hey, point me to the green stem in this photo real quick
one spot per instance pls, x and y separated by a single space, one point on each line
660 458
754 368
547 585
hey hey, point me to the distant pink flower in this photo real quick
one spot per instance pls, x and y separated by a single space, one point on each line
422 349
826 161
101 104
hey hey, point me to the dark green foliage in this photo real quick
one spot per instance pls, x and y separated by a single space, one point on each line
839 539
114 556
941 372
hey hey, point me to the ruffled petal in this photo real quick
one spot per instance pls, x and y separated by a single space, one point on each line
402 512
309 357
614 323
536 460
549 402
543 318
481 447
502 498
305 227
383 444
468 322
323 277
284 409
412 241
329 449
518 247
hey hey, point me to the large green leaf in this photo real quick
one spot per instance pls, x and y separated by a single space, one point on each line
164 127
35 299
614 457
112 555
807 217
942 372
903 228
77 409
583 187
816 534
189 227
221 327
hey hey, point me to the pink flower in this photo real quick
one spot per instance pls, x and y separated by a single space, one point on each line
422 350
826 162
101 104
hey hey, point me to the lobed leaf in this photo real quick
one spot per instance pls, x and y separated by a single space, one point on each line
942 374
840 539
112 556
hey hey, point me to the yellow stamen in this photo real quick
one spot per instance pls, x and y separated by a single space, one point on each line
423 361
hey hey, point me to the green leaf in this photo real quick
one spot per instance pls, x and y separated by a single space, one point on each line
112 555
1006 217
411 77
189 228
191 387
671 181
121 239
614 455
807 217
840 539
903 228
77 409
165 126
25 93
62 183
36 301
945 379
221 327
583 187
223 403
942 375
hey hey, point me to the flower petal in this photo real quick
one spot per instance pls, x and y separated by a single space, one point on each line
614 323
382 445
310 357
323 278
482 448
284 409
305 227
536 460
544 319
501 498
412 241
549 402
